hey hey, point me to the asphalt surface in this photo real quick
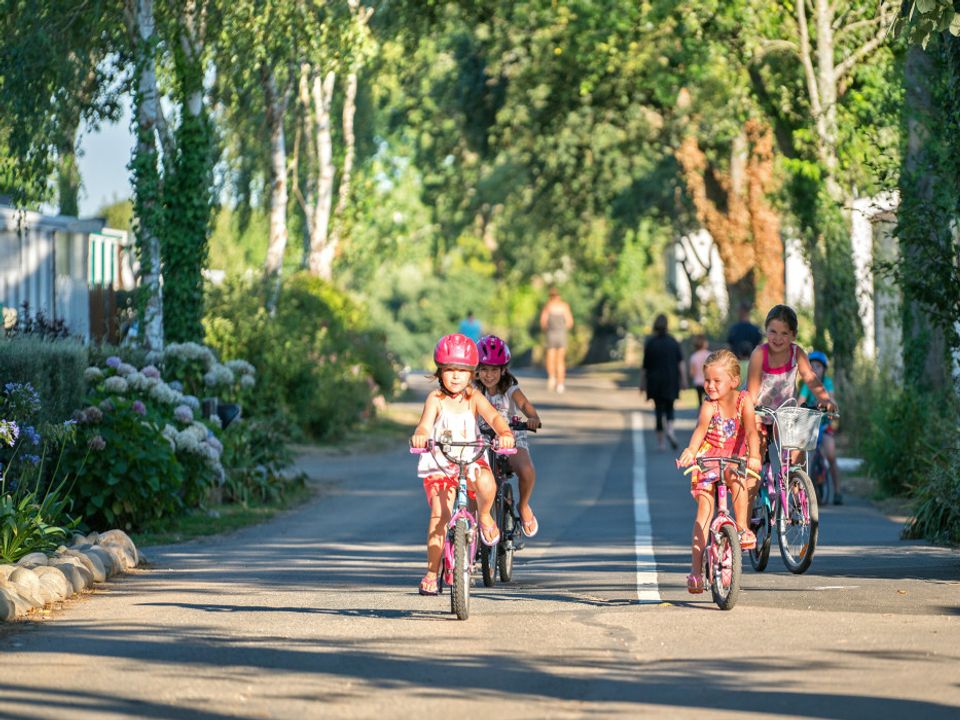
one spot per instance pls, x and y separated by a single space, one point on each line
316 614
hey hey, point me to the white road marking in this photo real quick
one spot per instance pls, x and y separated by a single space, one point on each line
647 589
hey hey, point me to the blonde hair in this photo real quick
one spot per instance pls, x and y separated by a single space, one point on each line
727 360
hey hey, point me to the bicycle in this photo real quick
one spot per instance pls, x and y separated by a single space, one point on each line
721 565
820 472
507 516
787 498
460 540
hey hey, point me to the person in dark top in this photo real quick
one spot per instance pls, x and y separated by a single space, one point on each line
744 331
663 377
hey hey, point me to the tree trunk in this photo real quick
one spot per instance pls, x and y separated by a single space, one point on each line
321 254
146 174
276 103
68 174
343 192
764 222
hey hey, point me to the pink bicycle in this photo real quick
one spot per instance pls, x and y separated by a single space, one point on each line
460 539
721 565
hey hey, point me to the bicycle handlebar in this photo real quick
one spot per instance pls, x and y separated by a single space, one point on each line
741 463
481 444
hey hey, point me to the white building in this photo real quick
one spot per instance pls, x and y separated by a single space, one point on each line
51 262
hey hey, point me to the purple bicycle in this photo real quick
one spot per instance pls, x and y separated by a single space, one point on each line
460 539
721 566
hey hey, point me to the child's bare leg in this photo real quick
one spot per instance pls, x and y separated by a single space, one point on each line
741 506
522 465
700 527
441 508
486 489
551 367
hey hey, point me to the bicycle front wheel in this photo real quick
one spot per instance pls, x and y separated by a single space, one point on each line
762 526
798 523
508 527
460 590
725 567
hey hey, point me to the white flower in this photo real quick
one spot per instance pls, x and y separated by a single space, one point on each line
124 369
187 442
169 431
199 430
166 394
116 385
138 382
93 374
191 351
218 375
183 414
215 421
192 402
241 367
247 381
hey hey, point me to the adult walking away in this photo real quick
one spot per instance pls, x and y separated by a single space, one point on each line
663 377
743 331
556 321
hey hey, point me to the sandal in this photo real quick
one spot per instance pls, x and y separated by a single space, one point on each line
428 586
489 542
524 524
748 541
694 584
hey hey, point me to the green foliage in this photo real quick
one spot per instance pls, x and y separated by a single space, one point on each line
937 501
118 214
54 369
256 454
126 471
922 20
317 357
33 520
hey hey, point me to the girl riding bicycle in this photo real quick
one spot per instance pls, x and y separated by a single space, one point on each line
774 366
726 427
828 446
502 389
450 412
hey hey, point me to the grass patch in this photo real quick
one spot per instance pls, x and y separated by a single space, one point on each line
222 518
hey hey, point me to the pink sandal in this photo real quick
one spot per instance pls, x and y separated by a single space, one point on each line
489 542
428 586
694 584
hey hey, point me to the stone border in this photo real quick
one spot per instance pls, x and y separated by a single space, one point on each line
38 579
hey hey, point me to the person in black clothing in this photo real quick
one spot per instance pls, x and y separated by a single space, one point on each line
663 377
744 331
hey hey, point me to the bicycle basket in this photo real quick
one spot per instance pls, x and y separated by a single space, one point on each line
799 427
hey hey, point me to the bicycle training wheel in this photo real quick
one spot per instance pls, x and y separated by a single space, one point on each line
460 591
726 567
798 523
508 527
762 527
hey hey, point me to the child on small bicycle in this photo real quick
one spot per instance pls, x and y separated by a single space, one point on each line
452 410
502 389
819 363
726 427
774 366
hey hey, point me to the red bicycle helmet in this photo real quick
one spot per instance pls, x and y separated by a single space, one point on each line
456 349
493 351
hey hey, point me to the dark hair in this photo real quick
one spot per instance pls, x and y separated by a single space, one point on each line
744 349
660 324
507 380
785 314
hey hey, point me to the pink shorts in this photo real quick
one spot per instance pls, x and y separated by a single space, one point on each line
438 482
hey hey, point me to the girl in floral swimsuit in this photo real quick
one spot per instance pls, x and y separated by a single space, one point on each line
726 428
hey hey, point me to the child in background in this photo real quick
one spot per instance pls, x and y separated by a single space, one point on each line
501 388
743 351
726 427
453 408
700 352
819 363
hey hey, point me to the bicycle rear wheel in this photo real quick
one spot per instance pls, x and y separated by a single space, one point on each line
762 527
725 568
508 527
798 523
489 555
460 591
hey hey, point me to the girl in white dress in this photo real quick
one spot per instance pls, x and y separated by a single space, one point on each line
502 390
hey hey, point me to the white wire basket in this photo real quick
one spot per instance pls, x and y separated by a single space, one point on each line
799 427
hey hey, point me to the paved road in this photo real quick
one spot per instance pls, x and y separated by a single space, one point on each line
316 614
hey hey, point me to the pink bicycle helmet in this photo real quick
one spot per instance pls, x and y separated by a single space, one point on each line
493 351
456 349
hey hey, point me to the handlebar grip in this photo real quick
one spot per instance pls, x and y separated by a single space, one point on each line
690 469
756 475
506 451
417 451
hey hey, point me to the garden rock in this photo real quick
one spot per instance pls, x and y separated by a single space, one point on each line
35 558
8 606
93 537
55 580
120 540
95 568
110 565
116 558
79 577
26 582
5 571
